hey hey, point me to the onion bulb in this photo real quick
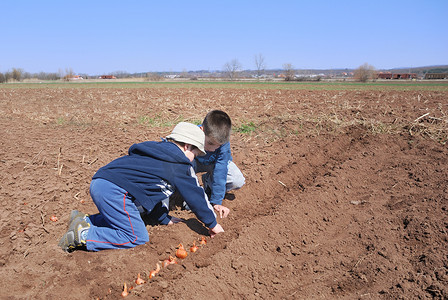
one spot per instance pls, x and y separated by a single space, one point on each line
139 280
194 248
125 290
171 260
181 252
154 272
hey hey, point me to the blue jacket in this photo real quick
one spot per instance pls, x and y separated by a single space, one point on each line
220 158
152 171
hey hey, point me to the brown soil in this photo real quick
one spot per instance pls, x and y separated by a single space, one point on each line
345 195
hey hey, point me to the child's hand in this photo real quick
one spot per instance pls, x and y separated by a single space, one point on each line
174 220
215 230
222 210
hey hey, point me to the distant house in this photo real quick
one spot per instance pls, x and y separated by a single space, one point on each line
73 77
171 76
404 76
384 75
436 76
107 77
389 75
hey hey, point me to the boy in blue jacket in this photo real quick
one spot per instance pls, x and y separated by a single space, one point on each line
143 180
222 175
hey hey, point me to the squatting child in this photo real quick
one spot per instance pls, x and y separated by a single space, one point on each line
141 181
221 173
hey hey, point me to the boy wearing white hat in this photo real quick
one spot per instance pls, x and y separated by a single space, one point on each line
142 180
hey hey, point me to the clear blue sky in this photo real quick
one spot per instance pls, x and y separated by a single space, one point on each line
99 36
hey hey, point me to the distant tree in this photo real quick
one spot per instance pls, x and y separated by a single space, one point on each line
364 72
16 74
27 75
153 77
53 76
48 76
2 78
231 68
289 71
259 64
184 74
8 76
121 74
68 74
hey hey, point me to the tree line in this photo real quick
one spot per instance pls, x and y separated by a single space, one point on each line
17 74
231 70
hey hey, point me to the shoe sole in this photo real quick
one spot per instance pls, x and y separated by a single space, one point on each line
74 227
64 242
68 241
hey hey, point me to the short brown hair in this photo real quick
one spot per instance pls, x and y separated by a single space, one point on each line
217 125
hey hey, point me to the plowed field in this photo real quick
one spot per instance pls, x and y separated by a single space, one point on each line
345 196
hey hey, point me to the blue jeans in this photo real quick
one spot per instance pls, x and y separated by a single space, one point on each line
118 224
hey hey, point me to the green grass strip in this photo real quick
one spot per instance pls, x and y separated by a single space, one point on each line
399 86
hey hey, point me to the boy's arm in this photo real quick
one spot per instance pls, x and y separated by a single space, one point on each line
161 214
174 220
189 188
218 185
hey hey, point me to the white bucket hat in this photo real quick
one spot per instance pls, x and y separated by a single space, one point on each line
190 134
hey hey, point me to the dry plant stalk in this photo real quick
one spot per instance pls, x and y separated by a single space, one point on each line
43 222
435 128
421 117
59 157
282 184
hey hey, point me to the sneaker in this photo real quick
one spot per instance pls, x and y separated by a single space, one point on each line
75 214
75 236
185 206
67 242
